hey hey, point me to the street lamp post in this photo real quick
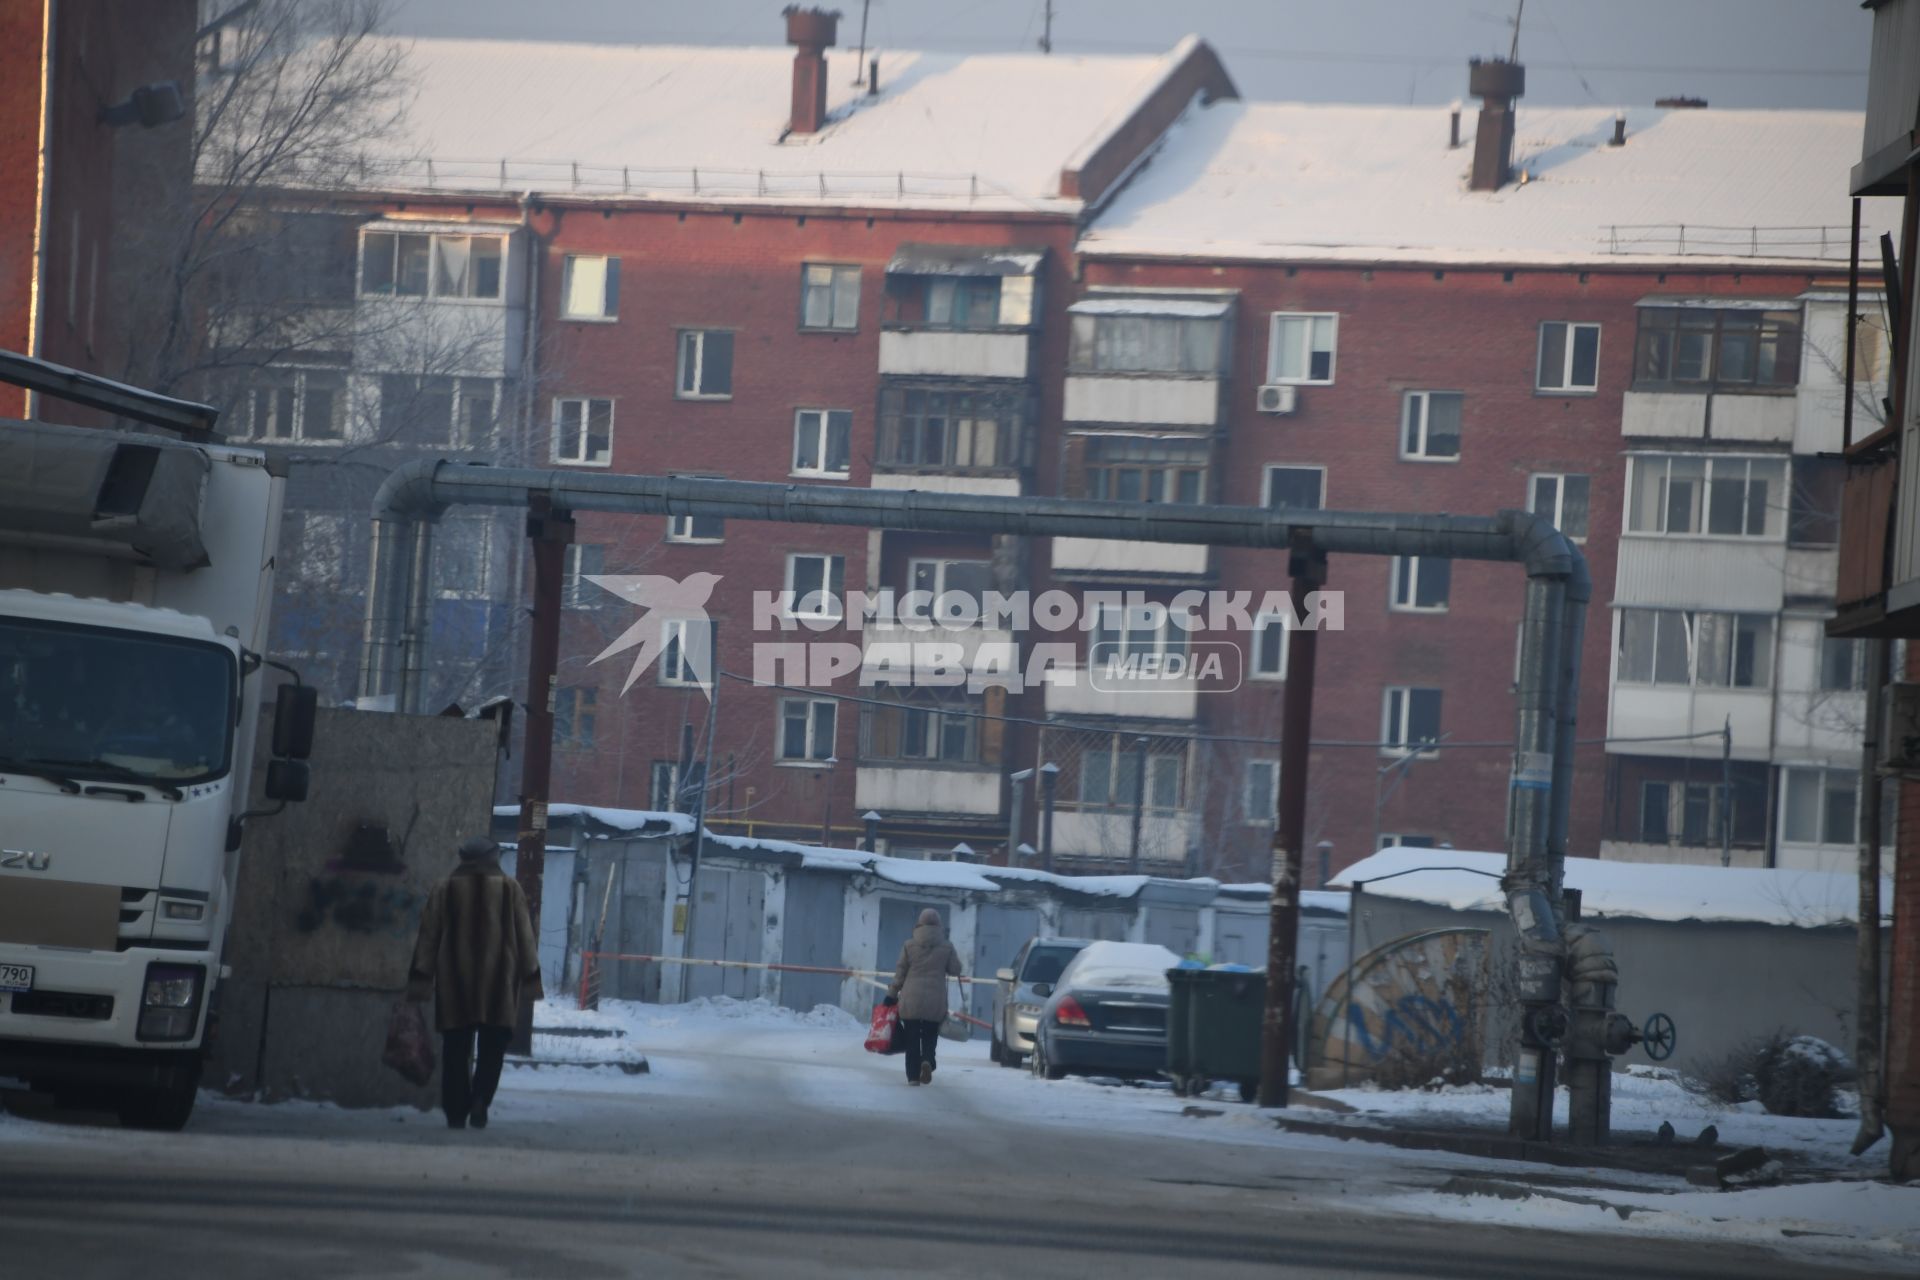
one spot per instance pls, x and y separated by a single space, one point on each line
1398 771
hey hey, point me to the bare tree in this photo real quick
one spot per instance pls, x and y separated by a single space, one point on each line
228 270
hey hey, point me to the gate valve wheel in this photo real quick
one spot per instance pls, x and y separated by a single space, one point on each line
1550 1025
1658 1037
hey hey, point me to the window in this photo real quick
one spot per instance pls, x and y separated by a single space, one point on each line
684 649
1270 640
1561 499
822 443
1842 664
979 302
1569 357
951 430
1820 806
1430 425
814 585
1148 630
829 296
1813 508
1709 349
806 728
463 558
590 287
1116 342
921 730
1394 840
298 404
1718 496
583 432
584 560
706 364
573 716
317 555
1676 647
1421 583
473 414
949 586
1683 812
696 529
419 264
1110 773
1262 792
1302 488
1301 345
1139 469
663 786
1410 719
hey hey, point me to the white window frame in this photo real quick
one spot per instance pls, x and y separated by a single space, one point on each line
824 426
1424 399
1691 621
575 572
834 270
1778 503
1413 566
1567 387
941 566
1261 806
1824 776
1261 625
692 343
1272 468
674 671
481 530
812 759
584 697
433 238
833 580
1119 753
586 417
1558 514
680 530
318 528
1393 735
672 768
1282 319
608 310
1168 635
295 379
1398 840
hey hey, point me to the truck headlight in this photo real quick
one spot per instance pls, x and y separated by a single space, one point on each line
173 910
170 1001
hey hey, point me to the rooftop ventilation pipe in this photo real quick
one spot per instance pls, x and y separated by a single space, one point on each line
1453 126
1619 129
811 32
1496 82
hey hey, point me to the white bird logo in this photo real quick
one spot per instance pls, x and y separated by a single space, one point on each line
664 600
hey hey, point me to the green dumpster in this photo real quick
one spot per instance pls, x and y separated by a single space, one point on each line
1213 1029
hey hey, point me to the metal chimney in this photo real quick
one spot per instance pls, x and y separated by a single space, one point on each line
811 32
1619 129
1453 131
1496 82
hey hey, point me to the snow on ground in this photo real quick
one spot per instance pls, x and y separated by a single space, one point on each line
1869 1218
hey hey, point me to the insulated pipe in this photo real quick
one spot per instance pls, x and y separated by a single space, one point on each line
411 696
385 581
1572 629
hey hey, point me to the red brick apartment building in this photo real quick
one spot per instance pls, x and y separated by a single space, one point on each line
1107 277
74 168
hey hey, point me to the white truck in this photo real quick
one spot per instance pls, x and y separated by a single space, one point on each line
135 577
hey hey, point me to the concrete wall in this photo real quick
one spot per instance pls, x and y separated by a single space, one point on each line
1722 984
324 922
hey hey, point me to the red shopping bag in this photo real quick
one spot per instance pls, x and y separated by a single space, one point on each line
409 1048
884 1035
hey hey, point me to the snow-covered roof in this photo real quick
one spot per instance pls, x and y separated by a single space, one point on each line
985 131
1622 890
1299 182
632 820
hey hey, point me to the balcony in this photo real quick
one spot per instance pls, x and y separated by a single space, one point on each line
1114 556
950 429
1106 836
1670 711
952 353
1701 415
462 337
1143 400
896 788
924 647
1736 575
1079 692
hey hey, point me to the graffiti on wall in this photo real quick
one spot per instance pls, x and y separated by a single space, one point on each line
1415 1005
357 893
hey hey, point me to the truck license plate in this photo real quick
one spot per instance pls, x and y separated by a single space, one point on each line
16 977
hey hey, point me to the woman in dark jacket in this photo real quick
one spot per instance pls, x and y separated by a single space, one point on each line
920 986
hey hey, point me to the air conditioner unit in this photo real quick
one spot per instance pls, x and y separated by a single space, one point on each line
1276 398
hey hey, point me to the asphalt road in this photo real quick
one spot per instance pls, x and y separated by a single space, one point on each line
741 1164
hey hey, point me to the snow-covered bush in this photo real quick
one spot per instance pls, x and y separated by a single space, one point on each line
1789 1075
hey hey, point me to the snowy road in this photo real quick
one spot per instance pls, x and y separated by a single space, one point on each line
771 1145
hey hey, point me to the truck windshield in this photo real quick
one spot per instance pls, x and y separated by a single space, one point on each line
90 703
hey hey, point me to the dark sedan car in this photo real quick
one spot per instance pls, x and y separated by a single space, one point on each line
1107 1015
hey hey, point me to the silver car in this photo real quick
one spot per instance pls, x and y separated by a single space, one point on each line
1021 991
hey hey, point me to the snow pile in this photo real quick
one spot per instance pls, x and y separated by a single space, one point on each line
676 824
1621 890
636 1018
1141 965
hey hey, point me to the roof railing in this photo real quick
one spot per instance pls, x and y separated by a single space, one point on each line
1703 240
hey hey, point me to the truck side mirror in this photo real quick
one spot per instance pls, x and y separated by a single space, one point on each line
287 780
294 709
1005 975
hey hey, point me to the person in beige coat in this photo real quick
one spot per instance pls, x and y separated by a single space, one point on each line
920 988
478 958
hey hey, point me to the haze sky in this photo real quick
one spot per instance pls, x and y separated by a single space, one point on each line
1735 53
